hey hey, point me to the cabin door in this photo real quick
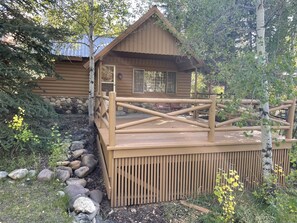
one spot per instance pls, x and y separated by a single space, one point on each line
108 78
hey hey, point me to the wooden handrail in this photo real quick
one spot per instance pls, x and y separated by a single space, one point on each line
150 119
163 100
161 130
107 116
150 112
249 128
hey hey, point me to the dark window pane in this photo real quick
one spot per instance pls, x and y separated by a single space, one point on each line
138 81
171 82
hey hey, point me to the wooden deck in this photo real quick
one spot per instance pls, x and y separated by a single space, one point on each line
167 139
160 156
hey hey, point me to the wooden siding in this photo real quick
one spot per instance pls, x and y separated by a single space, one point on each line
149 38
74 81
125 65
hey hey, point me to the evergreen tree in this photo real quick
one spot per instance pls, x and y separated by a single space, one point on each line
25 55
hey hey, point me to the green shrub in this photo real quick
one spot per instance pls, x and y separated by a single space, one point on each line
37 119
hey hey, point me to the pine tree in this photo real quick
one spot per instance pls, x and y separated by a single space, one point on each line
25 55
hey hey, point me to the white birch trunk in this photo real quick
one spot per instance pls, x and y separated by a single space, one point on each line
92 64
266 137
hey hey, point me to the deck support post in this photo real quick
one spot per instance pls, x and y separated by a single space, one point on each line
211 118
112 118
291 114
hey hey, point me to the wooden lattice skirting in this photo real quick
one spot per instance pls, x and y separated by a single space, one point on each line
151 179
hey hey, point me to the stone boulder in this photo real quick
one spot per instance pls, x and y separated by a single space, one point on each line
96 195
18 174
90 161
75 164
45 175
63 163
76 145
76 190
65 168
85 205
76 181
77 153
62 175
3 174
82 171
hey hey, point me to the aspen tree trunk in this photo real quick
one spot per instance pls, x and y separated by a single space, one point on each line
92 63
266 137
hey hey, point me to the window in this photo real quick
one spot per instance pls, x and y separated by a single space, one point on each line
154 81
138 81
108 78
171 82
108 73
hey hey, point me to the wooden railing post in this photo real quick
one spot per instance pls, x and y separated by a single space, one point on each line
100 110
291 115
212 118
112 118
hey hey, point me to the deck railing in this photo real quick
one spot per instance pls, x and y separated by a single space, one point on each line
106 115
153 173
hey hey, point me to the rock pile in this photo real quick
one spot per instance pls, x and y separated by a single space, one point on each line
68 105
84 205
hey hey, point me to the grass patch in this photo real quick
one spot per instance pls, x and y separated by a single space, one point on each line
32 201
22 160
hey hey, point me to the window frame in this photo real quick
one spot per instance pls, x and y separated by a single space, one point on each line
114 76
133 87
166 83
175 89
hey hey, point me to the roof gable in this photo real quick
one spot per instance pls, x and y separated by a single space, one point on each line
150 38
153 11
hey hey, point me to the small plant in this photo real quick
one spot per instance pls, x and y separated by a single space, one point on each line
22 134
227 184
267 191
57 146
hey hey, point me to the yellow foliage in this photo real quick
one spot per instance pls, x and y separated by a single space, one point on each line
227 184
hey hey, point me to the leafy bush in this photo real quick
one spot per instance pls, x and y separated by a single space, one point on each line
227 184
35 120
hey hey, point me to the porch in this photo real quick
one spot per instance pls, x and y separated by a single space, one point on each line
155 156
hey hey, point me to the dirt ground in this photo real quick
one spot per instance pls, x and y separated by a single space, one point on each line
77 125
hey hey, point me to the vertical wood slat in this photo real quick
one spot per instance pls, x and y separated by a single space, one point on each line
142 180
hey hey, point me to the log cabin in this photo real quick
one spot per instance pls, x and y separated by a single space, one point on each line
146 60
164 153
